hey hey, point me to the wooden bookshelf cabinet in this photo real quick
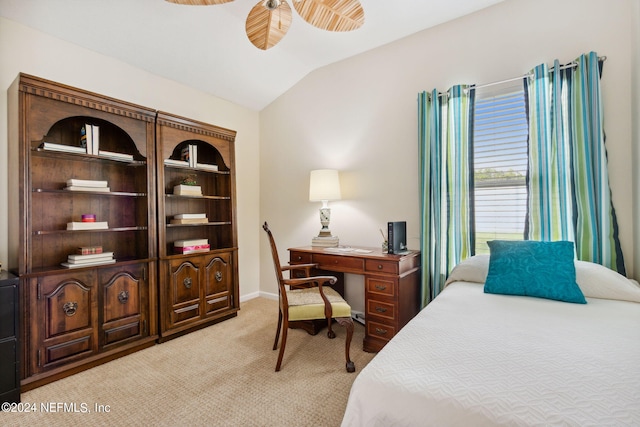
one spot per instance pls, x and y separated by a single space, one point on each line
75 318
196 289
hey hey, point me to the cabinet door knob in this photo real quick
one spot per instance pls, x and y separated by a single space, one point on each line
218 276
187 282
70 308
123 297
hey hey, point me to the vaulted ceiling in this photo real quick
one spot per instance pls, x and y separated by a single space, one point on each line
205 47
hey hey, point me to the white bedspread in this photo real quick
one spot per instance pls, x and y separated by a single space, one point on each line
475 359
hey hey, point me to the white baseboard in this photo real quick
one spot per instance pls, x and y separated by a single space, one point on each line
258 294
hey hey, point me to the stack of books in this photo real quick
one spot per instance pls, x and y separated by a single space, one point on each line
87 185
50 146
88 223
195 218
191 246
173 162
116 156
187 190
80 260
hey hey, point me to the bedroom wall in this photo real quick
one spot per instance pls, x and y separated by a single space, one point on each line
359 116
635 109
25 50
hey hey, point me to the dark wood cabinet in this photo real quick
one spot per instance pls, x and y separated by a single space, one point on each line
198 288
76 316
9 339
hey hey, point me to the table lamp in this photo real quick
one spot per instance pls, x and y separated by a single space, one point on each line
324 185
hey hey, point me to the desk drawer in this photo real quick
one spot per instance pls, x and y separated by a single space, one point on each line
380 330
376 266
380 287
381 309
300 257
339 263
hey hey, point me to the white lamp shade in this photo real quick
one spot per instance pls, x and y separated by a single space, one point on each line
324 184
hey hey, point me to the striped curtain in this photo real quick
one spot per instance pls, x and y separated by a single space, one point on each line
444 131
569 194
549 193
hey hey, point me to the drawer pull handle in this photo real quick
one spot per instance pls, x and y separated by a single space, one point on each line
381 309
381 331
379 266
218 276
187 283
123 297
299 258
381 287
70 308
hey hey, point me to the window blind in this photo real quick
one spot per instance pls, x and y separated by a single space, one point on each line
500 163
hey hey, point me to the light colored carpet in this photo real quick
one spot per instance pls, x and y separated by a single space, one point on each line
222 375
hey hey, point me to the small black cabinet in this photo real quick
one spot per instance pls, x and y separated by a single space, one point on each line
9 345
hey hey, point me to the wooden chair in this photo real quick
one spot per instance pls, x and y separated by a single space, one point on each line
310 299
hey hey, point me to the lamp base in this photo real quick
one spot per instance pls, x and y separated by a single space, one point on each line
325 241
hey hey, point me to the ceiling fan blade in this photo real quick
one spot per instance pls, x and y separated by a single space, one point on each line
331 15
199 2
265 28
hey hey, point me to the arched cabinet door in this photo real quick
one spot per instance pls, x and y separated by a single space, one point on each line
64 321
124 290
218 283
185 289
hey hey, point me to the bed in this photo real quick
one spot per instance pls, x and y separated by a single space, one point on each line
472 358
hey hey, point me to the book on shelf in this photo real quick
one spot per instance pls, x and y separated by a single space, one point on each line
207 167
62 148
99 225
193 160
172 162
191 249
190 216
89 250
90 138
187 190
86 183
189 154
86 138
83 188
81 259
114 155
189 221
88 264
190 242
95 145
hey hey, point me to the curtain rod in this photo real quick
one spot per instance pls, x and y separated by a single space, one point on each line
562 67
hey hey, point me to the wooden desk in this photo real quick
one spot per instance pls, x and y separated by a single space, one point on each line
392 286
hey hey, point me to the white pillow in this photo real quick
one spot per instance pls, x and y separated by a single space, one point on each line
595 280
473 269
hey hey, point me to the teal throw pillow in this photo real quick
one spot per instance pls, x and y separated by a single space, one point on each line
532 268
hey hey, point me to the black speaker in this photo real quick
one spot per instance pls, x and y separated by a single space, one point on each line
397 235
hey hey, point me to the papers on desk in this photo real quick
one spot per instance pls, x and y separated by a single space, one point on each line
345 249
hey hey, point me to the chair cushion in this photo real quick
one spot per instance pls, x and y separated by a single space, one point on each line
307 304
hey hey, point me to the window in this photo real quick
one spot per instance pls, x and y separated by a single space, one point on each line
500 163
